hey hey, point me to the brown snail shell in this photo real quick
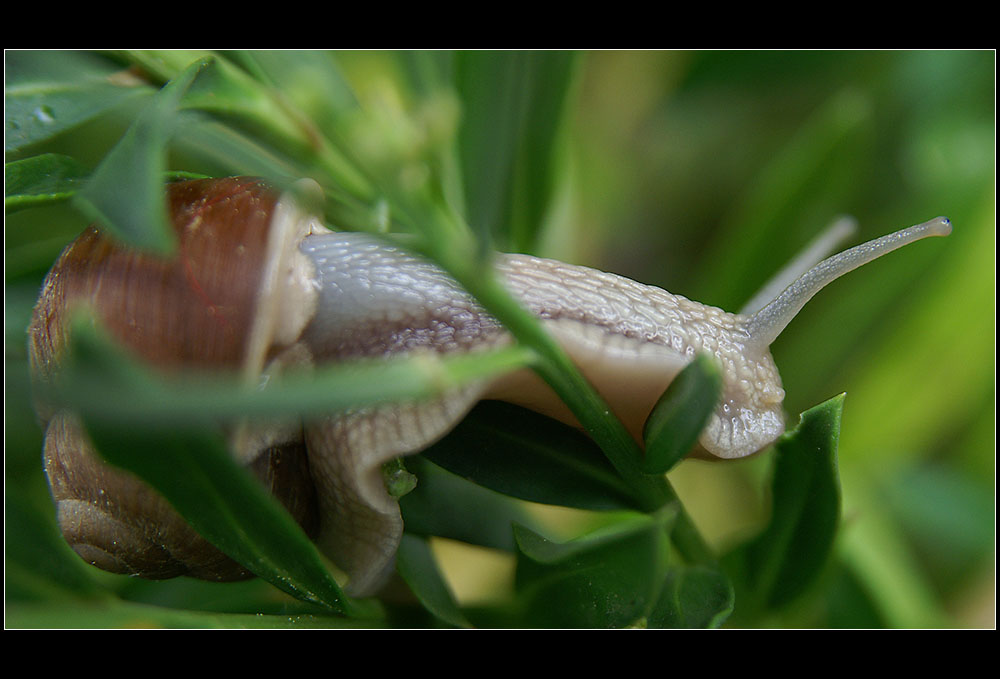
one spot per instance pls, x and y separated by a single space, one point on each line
194 310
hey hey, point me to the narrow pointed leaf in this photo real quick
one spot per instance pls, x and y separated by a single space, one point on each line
38 564
693 597
448 506
417 566
526 455
608 579
678 418
105 383
788 556
49 93
40 180
52 178
125 193
310 79
195 472
191 467
512 109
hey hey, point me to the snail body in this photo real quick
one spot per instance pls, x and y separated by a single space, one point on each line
277 287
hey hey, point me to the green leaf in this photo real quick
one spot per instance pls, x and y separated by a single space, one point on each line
103 382
787 557
235 93
417 566
611 578
693 597
191 467
231 151
125 193
849 604
52 178
678 418
554 366
309 78
42 179
512 109
39 565
448 506
541 167
247 100
127 409
49 93
228 91
520 453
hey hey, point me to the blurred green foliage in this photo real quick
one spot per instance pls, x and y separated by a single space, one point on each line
700 172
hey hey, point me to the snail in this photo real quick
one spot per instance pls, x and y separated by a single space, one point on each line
258 284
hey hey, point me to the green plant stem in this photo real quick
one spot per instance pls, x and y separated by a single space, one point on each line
556 368
451 244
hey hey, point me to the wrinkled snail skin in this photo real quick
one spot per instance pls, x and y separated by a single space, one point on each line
322 296
629 339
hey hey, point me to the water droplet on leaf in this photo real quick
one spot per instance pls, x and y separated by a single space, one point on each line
44 114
